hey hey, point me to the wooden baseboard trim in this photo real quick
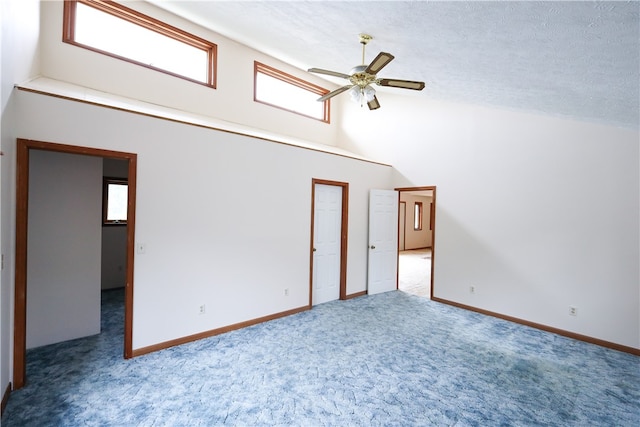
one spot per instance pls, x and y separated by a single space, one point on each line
214 332
562 332
5 399
356 295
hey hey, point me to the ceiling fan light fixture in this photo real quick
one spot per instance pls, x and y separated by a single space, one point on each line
369 93
356 93
362 95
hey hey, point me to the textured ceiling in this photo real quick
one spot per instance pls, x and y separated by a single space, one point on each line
575 59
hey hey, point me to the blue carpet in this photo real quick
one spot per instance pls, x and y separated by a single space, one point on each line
384 360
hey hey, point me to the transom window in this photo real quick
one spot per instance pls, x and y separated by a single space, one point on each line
112 29
279 89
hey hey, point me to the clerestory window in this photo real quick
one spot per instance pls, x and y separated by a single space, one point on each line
279 89
112 29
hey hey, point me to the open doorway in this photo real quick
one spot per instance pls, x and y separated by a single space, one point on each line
416 232
24 150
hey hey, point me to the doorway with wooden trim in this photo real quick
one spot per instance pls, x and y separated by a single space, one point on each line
416 237
23 149
328 254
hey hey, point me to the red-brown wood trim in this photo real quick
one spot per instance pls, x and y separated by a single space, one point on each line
132 178
405 240
433 238
311 233
400 203
432 188
199 125
68 20
293 80
431 212
344 233
356 295
217 331
22 196
20 292
5 399
152 24
557 331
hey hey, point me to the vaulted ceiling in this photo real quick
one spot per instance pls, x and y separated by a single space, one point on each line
574 59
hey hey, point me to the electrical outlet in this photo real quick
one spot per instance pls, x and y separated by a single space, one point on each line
573 311
202 309
472 289
286 292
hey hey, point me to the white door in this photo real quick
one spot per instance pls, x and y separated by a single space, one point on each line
383 241
327 224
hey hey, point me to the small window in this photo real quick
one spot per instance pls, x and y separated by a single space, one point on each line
417 216
112 29
279 89
114 205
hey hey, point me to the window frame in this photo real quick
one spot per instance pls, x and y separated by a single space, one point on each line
106 181
259 67
417 216
147 22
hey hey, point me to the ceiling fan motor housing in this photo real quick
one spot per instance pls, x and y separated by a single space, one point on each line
359 77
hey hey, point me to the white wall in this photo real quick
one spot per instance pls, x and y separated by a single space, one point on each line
232 101
538 213
64 247
19 60
225 218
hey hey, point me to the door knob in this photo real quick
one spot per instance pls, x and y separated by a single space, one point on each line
373 247
314 249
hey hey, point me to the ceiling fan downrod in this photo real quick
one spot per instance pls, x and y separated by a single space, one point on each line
364 39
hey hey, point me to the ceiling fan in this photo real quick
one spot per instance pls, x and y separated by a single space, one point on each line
361 77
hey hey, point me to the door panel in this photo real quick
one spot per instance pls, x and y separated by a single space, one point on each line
327 243
383 241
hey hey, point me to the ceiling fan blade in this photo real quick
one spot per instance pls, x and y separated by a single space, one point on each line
378 63
403 84
373 104
328 73
334 93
